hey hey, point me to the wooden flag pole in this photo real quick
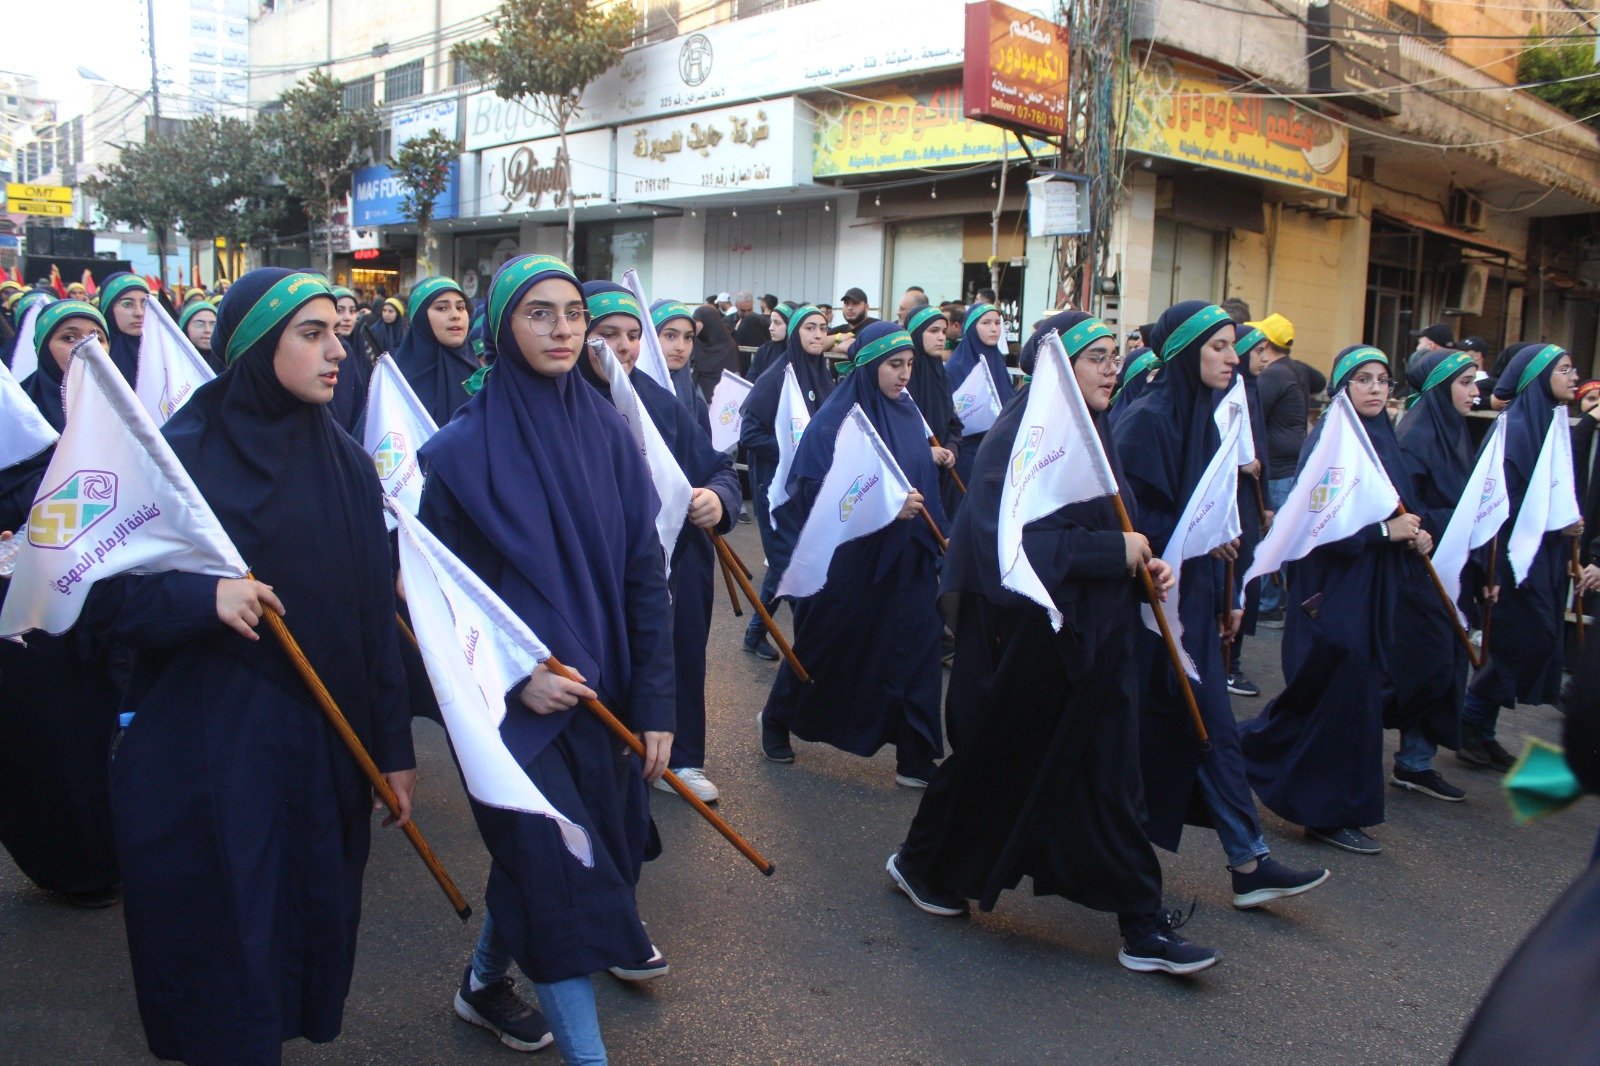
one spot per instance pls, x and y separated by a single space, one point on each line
1166 633
934 440
766 619
341 726
1261 501
623 733
933 527
1488 608
734 556
1577 591
727 576
1449 605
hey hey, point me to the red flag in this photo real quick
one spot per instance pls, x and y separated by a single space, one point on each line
154 282
55 281
88 284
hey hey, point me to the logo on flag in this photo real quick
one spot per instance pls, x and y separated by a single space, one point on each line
64 514
858 488
1488 492
1327 490
1025 455
965 402
390 454
729 413
797 427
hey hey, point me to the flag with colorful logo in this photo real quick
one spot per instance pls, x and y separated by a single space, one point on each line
24 433
863 491
977 401
726 418
477 651
652 360
1478 517
790 425
1551 502
114 500
170 368
394 429
1056 460
1341 488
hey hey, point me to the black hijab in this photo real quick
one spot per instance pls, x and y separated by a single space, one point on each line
1380 430
434 372
124 347
810 371
1433 434
714 349
930 385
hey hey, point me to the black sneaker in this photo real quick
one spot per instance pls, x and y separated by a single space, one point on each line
1500 759
1162 950
924 894
1240 685
648 970
500 1010
1270 619
1347 837
744 516
1472 752
1272 880
774 740
757 644
1428 782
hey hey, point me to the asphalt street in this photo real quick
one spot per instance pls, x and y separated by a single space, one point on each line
824 962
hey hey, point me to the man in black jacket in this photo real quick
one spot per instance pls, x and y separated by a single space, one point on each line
1285 399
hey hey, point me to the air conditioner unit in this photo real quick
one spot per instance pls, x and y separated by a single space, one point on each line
1466 210
1472 285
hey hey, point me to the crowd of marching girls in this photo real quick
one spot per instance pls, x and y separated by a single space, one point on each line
1031 573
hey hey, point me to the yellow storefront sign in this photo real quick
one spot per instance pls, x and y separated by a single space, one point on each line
1182 112
25 199
897 129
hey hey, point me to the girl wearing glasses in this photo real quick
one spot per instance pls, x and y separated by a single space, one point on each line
122 297
1316 751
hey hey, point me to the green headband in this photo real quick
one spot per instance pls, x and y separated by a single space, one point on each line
277 304
977 313
1447 370
922 317
510 279
56 313
1246 344
193 309
27 300
342 293
1547 355
117 286
474 384
1348 363
602 304
890 342
1084 334
1200 322
425 290
667 312
1146 361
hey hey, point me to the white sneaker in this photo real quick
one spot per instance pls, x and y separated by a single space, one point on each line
697 781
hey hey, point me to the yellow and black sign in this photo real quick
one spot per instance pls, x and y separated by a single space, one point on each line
52 200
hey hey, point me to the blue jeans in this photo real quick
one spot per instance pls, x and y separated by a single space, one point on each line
1416 751
1237 829
1273 596
1479 712
568 1005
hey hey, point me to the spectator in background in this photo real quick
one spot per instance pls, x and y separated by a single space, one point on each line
714 350
724 304
749 325
986 296
1439 335
1478 348
1135 340
1237 310
911 301
1280 334
856 319
827 313
769 304
1284 402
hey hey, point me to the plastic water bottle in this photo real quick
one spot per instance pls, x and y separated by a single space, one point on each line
124 720
8 555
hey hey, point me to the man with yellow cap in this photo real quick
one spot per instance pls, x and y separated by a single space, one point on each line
1285 388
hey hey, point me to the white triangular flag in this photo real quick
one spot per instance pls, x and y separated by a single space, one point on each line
1341 488
652 360
863 491
395 427
24 432
1210 519
1057 459
170 368
726 418
977 402
115 499
25 356
1478 517
790 425
1551 502
1236 403
672 487
476 651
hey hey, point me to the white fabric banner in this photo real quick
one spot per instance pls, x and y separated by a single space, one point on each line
977 402
25 359
1056 460
862 492
395 427
1210 519
790 425
1236 402
24 432
652 360
114 500
1483 509
170 368
477 652
726 418
1341 488
1551 502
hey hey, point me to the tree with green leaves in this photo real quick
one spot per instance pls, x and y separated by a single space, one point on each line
544 53
319 144
144 189
1569 62
423 166
227 172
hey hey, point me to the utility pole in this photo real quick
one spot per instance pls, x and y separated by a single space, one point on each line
155 81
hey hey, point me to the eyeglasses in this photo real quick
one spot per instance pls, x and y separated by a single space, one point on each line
542 321
1570 371
1100 360
1372 384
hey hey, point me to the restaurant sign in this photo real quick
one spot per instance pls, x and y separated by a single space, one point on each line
1015 74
